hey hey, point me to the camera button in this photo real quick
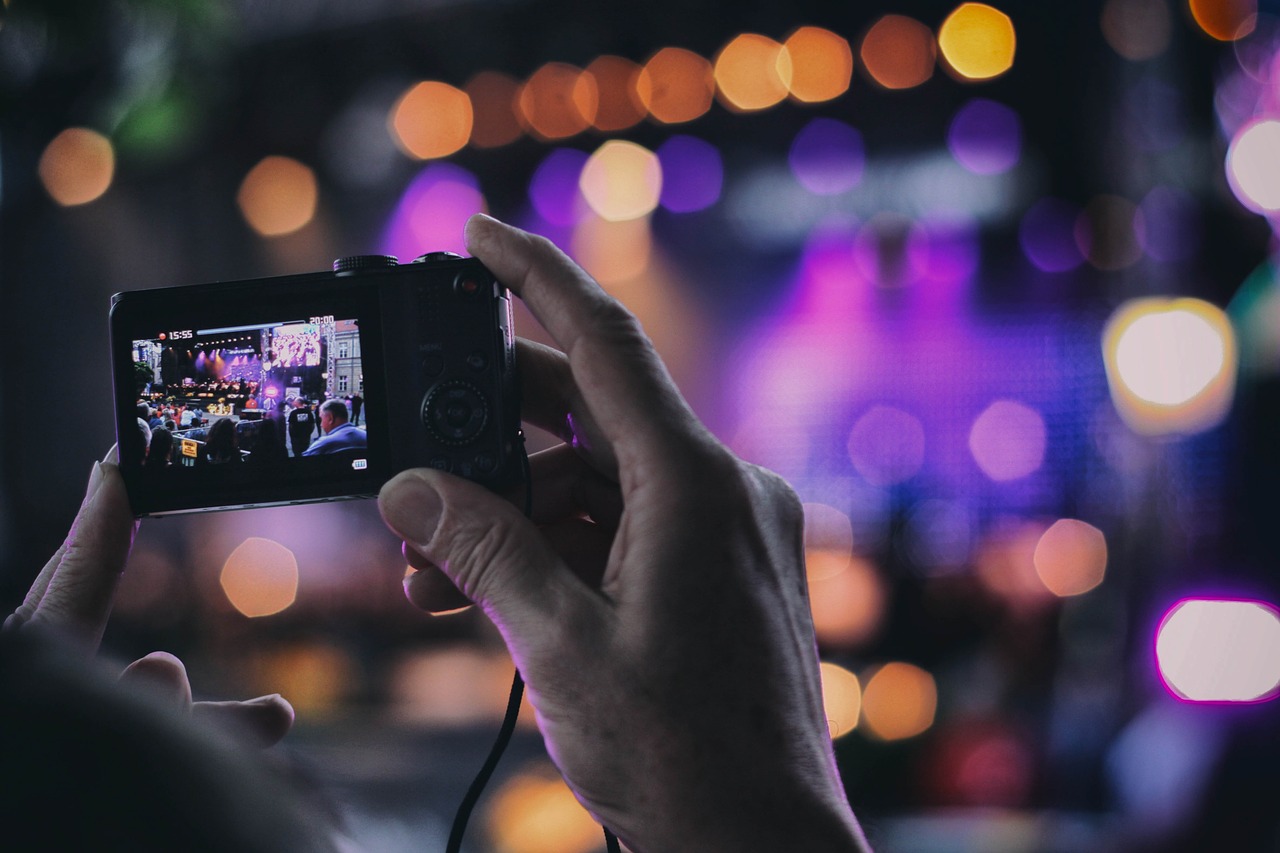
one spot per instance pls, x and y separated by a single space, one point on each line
477 361
485 463
440 463
432 364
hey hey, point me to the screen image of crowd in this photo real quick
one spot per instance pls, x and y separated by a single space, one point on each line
257 396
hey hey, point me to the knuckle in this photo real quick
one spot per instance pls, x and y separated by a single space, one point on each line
470 549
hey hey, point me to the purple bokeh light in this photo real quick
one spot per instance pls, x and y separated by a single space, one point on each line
985 137
1008 440
432 213
692 174
943 257
1170 226
827 157
886 445
1047 234
553 190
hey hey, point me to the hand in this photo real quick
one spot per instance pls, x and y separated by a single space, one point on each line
656 605
72 597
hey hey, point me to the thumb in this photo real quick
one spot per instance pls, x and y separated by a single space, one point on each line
493 554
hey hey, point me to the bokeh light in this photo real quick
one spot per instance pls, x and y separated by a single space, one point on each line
676 85
886 445
260 577
454 686
1107 233
1137 29
1220 650
619 105
1071 557
77 166
622 180
898 52
535 812
432 119
1171 364
554 188
493 99
278 196
847 597
841 698
1005 562
943 254
612 251
752 72
315 676
821 64
985 137
432 212
557 102
827 157
977 41
693 174
1225 20
1008 440
1047 235
899 701
1253 166
828 536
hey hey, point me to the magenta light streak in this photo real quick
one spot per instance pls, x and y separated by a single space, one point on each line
692 174
1047 234
827 157
553 190
432 213
985 137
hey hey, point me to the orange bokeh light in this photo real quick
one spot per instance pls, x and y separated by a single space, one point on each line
1071 557
432 120
493 100
260 577
821 64
752 73
1225 20
899 701
278 196
535 812
77 166
556 102
841 698
898 52
846 597
619 105
676 85
977 41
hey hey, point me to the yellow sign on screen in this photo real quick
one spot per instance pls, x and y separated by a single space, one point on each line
190 448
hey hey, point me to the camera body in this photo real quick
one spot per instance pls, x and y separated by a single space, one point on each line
314 387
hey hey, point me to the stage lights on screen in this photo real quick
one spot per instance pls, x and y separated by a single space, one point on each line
77 166
1220 650
1171 365
278 196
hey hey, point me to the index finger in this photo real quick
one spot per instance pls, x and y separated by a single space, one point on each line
624 383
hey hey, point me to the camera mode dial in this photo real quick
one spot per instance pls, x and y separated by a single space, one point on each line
455 412
354 263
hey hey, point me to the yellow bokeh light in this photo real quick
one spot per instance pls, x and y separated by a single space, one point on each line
77 166
899 701
977 41
278 196
314 677
841 698
260 577
613 252
535 812
898 52
676 85
821 64
1137 29
432 120
621 180
493 100
1171 365
1071 557
846 597
1253 166
1225 20
556 103
619 105
752 73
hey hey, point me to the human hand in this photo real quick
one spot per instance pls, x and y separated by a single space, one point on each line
73 594
656 604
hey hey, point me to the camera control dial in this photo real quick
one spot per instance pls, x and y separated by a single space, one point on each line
455 412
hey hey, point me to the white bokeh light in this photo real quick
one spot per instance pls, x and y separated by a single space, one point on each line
1211 650
1253 166
1169 357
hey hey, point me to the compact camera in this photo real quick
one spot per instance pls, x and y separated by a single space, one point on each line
314 387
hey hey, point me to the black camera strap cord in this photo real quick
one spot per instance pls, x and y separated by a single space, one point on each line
508 727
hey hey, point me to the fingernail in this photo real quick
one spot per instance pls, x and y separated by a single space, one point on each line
95 480
269 699
411 508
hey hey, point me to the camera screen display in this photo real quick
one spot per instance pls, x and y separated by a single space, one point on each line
278 394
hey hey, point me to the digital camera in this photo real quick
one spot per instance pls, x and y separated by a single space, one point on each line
314 387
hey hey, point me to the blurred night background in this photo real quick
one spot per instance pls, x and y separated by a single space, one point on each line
993 287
